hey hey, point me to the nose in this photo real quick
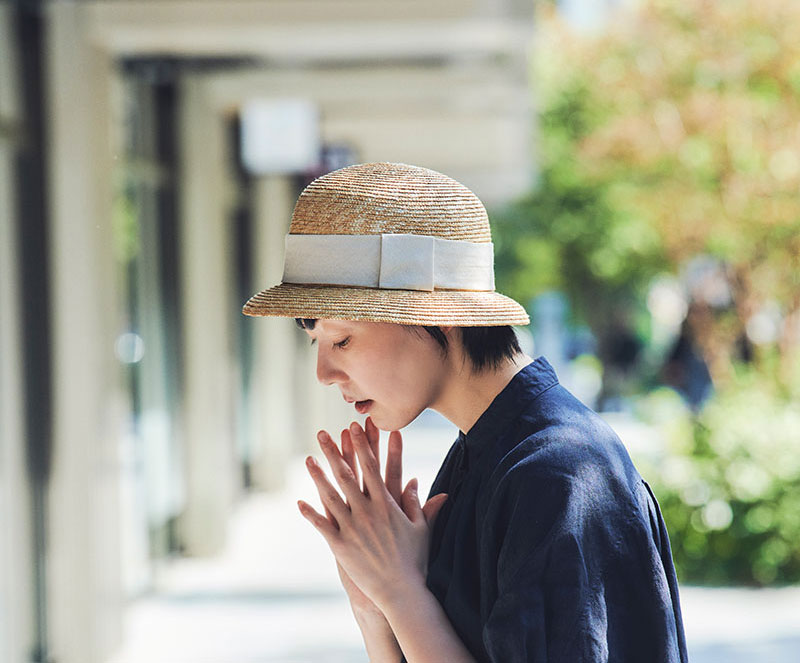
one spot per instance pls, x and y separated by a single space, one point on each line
327 371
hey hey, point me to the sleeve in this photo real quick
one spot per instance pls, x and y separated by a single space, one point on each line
537 550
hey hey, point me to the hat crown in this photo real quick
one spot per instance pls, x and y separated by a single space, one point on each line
390 198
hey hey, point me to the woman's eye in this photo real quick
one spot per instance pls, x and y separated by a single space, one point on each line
342 343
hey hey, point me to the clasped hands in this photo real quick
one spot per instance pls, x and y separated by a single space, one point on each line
377 531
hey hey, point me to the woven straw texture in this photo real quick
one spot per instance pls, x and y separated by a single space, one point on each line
376 198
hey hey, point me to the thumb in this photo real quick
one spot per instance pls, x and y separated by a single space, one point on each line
410 501
432 507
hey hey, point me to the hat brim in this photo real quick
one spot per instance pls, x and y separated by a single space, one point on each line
405 307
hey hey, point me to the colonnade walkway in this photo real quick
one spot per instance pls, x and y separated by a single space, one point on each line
274 595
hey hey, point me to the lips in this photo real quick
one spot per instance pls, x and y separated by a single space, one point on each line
362 407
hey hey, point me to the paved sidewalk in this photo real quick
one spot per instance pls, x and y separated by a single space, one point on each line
274 595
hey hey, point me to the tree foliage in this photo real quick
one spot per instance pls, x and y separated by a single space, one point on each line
674 133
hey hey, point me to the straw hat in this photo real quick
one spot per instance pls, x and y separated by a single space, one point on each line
389 242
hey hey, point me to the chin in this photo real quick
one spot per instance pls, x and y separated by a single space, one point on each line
391 421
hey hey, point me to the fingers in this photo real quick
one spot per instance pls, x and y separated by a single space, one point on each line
330 517
341 469
323 525
330 497
360 454
394 463
349 454
432 507
394 466
412 508
370 467
374 436
410 501
407 500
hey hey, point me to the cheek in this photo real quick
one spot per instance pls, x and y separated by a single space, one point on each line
401 372
410 381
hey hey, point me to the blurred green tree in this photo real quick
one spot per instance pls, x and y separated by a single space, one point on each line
674 133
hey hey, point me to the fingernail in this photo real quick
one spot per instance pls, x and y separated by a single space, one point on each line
310 461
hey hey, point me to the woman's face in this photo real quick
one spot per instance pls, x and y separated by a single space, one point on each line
389 371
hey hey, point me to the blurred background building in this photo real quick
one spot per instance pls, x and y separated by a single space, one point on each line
150 156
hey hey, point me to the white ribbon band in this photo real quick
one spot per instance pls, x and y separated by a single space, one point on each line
406 262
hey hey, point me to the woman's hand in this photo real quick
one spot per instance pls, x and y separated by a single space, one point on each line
363 607
378 534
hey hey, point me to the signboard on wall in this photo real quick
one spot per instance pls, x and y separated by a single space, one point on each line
279 136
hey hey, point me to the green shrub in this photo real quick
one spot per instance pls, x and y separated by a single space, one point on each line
728 482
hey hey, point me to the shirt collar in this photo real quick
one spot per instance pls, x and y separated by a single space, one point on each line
528 384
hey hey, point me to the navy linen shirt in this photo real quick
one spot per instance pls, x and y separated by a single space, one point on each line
550 546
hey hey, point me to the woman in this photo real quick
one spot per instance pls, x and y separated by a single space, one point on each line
539 540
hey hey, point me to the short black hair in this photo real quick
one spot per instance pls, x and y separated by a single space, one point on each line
485 346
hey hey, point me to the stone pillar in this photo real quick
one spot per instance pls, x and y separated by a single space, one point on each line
207 410
275 359
84 597
16 587
16 574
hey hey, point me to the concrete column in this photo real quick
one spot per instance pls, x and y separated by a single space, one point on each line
157 449
207 413
16 587
272 387
85 602
16 584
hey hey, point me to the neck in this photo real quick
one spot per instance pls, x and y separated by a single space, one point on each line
467 393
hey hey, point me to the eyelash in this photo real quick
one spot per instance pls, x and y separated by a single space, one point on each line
340 344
